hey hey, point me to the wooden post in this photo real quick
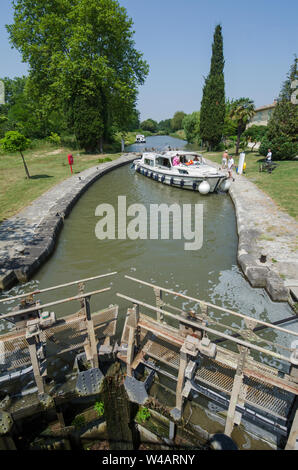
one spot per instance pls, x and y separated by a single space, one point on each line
35 364
236 390
130 350
60 416
180 381
293 436
159 303
133 336
137 319
91 333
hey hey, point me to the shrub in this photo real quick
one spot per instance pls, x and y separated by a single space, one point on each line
99 408
143 415
281 147
220 147
54 138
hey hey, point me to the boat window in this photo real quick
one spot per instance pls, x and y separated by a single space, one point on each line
149 162
183 172
163 162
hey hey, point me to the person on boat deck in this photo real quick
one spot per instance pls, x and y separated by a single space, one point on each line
176 161
225 157
196 158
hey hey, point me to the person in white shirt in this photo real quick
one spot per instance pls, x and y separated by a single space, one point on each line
269 156
230 167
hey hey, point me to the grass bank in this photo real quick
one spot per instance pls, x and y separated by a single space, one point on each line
47 164
281 185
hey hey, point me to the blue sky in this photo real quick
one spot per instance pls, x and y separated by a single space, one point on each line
175 36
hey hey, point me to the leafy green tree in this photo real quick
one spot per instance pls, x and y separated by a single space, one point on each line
165 126
286 90
26 113
134 121
242 110
230 126
191 126
81 54
213 101
16 142
149 125
176 122
282 130
254 134
282 148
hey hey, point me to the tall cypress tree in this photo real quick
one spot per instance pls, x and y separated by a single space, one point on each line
213 100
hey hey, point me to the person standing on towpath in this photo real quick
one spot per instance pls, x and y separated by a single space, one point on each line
225 157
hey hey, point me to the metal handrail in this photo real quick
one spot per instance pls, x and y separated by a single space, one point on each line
57 302
205 328
270 325
40 291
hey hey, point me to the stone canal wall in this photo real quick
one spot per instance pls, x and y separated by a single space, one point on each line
267 247
28 238
268 240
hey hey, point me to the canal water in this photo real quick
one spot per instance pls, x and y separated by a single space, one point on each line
210 273
159 142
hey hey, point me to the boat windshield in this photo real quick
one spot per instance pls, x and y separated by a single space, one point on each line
186 159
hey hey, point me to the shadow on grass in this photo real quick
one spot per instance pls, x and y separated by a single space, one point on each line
37 177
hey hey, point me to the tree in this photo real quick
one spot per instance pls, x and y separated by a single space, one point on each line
149 125
255 134
286 90
230 126
282 128
26 113
16 142
242 110
165 126
176 122
134 121
213 101
191 126
81 53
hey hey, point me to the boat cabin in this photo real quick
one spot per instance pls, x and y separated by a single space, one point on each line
140 138
173 159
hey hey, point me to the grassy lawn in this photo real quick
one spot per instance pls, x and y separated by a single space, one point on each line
47 164
281 185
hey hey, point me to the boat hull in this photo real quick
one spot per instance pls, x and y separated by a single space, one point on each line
183 181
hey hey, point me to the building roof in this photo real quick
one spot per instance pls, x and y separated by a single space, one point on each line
266 106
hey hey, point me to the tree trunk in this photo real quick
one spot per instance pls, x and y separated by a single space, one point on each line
122 144
25 166
101 144
238 140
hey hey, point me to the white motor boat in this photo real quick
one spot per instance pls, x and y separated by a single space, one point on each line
187 170
140 139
